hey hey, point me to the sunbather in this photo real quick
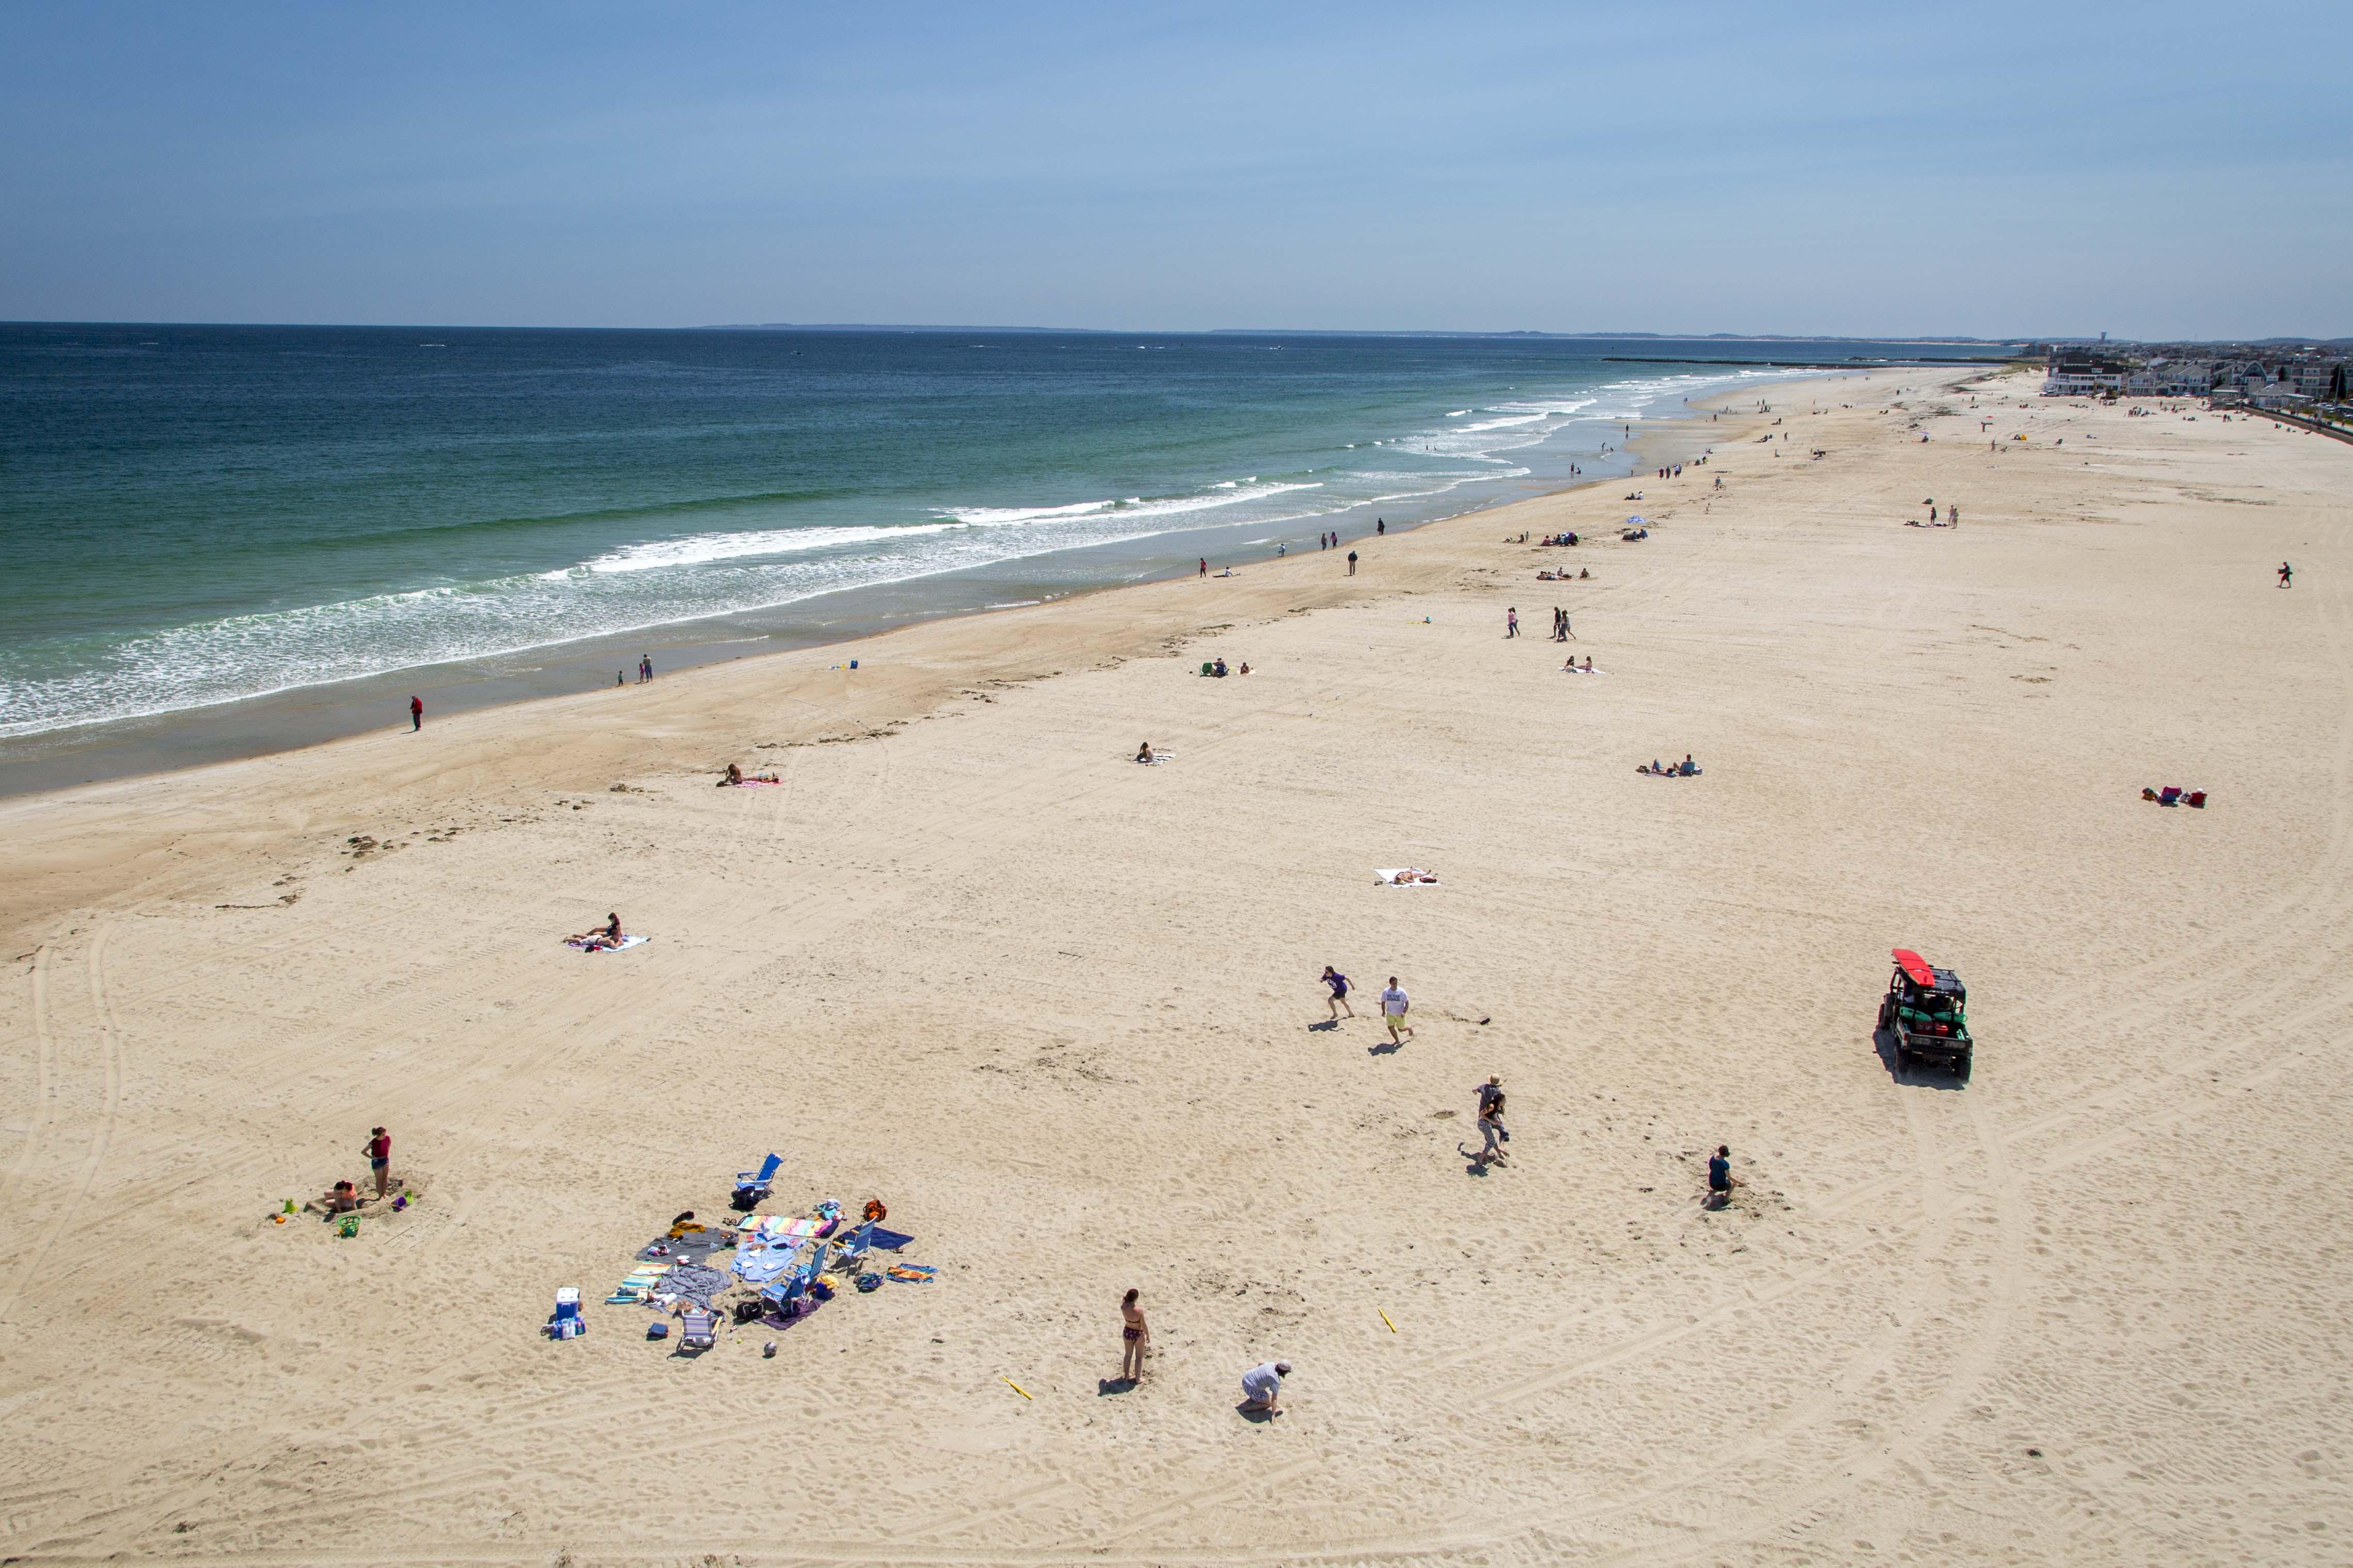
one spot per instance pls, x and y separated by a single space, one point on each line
736 775
1688 770
1143 753
1134 1334
607 935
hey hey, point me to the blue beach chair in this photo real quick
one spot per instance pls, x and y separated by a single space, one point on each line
752 1187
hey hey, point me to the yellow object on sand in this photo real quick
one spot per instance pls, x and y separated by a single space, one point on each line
1385 1317
1013 1385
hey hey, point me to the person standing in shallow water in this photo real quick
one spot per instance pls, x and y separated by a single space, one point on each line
1134 1334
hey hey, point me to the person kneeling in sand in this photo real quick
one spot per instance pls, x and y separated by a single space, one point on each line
1262 1387
1143 753
1720 1179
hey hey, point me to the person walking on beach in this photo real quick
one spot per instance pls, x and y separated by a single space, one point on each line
1380 525
2287 575
1339 1001
416 714
645 667
1512 622
1490 1124
1394 1004
1352 563
379 1159
1135 1333
1263 1388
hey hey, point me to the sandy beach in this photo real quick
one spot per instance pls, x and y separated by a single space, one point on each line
1062 1013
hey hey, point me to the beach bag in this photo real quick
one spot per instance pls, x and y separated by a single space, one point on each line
1205 670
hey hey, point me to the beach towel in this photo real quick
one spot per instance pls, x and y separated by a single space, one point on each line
911 1273
761 1264
578 946
749 783
695 1284
888 1240
1389 878
694 1247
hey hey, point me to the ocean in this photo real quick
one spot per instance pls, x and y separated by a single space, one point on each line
197 517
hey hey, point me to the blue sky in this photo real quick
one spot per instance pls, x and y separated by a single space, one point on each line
2150 170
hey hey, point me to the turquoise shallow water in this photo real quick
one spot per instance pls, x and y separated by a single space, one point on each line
196 516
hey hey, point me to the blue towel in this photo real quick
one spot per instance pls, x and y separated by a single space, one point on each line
759 1268
888 1240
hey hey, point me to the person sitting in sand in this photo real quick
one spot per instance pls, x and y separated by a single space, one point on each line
607 935
1219 670
1688 770
1589 665
1144 753
1245 669
341 1198
736 775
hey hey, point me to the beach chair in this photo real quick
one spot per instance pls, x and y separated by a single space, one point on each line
850 1250
698 1330
752 1186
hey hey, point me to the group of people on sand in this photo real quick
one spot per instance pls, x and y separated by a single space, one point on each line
1395 1003
1684 769
1561 577
1574 668
736 775
1218 669
344 1197
1261 1385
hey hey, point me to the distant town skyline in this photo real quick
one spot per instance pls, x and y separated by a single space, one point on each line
2006 171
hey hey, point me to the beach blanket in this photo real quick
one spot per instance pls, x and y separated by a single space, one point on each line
694 1247
695 1284
748 784
767 1262
639 1285
888 1240
1389 878
578 946
911 1273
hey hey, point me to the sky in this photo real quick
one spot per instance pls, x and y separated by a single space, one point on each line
2152 170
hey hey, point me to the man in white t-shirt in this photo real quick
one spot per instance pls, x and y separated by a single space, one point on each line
1394 1003
1262 1387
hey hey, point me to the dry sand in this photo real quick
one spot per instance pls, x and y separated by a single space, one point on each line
1061 1013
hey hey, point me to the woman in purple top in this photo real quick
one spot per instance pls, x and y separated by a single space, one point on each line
1339 1001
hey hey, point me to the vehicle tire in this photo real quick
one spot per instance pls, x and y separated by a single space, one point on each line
1961 1066
1884 1009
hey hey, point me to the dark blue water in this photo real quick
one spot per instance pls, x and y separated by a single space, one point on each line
194 516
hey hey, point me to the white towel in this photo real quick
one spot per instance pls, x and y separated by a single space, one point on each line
1389 878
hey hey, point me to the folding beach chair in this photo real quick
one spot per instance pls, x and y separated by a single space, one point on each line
850 1250
752 1186
698 1330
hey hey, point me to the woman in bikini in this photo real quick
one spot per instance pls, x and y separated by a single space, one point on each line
607 935
1134 1334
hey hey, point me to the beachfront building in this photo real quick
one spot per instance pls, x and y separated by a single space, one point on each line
2081 372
